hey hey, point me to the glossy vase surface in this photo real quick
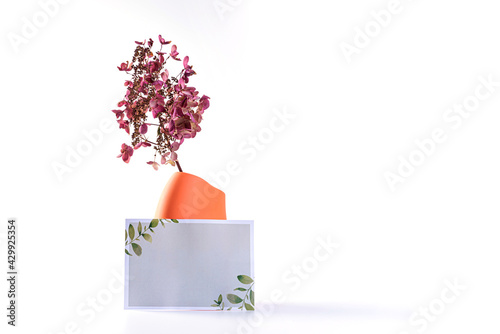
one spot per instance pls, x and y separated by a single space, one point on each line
188 196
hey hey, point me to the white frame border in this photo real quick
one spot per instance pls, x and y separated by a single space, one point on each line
185 221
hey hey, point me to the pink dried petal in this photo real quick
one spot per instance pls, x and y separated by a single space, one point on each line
126 153
157 110
154 164
162 40
175 146
173 52
158 84
118 113
164 75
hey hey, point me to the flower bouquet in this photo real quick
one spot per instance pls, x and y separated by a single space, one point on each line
161 111
158 110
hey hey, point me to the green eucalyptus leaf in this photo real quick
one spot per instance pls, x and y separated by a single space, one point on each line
126 252
245 279
233 299
137 249
214 305
131 232
147 237
153 223
126 235
249 307
241 307
174 220
222 308
220 299
139 228
240 289
162 223
229 309
252 297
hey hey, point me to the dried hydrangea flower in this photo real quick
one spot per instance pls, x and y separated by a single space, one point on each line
176 109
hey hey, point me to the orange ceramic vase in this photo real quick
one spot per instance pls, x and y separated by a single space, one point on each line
187 196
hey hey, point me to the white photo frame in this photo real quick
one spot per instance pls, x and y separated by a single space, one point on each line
189 264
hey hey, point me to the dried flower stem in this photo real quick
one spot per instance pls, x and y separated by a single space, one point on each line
178 166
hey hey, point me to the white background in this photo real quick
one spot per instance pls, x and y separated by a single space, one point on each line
321 176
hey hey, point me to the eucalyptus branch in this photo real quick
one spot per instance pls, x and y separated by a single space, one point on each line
130 234
235 299
248 290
